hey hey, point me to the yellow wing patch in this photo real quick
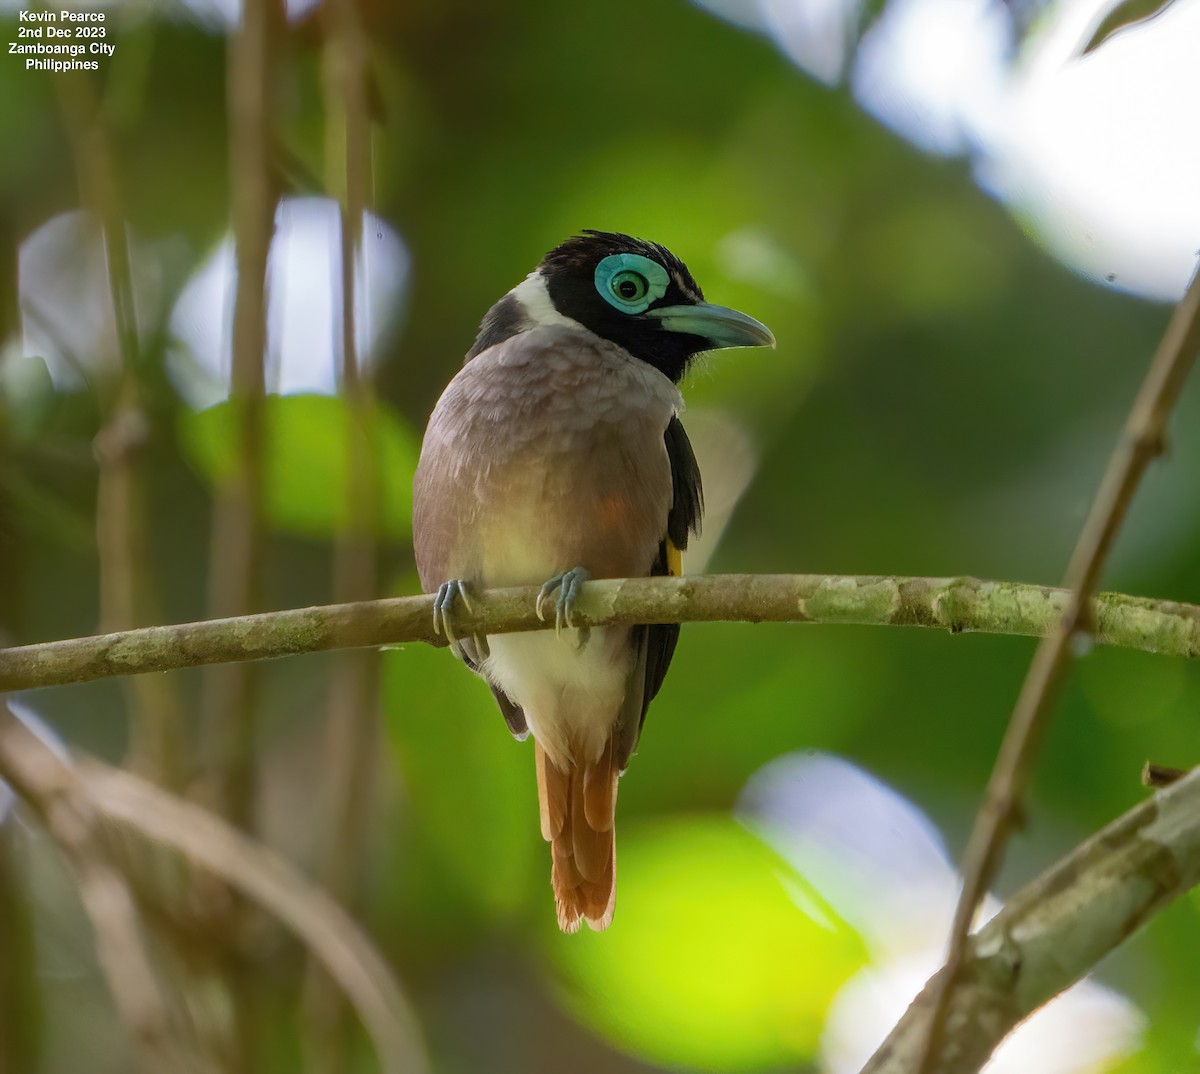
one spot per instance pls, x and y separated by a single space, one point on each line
674 559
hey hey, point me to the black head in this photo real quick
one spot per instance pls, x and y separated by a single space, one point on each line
641 296
637 294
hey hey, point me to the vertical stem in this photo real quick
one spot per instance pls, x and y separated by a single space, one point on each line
20 1013
352 729
10 312
20 1005
229 693
10 322
126 589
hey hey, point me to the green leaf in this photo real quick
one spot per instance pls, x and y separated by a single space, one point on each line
1123 15
308 445
719 958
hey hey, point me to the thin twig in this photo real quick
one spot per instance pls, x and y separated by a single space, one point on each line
50 786
1142 440
352 721
1054 931
957 605
262 875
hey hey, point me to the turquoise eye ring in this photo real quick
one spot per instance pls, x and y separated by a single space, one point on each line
631 283
629 286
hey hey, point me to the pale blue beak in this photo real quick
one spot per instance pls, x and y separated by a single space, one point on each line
720 325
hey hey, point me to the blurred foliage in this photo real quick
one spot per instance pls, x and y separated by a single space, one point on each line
307 461
723 998
942 401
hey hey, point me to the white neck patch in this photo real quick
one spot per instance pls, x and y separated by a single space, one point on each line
535 300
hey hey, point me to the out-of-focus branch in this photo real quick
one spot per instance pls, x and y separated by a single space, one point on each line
228 697
955 604
126 592
1054 931
1142 440
52 789
352 724
260 874
228 700
20 1010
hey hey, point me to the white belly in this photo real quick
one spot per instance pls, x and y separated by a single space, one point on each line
571 698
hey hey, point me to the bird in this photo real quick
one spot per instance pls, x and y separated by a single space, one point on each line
556 455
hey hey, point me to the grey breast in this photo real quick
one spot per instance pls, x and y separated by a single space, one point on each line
544 452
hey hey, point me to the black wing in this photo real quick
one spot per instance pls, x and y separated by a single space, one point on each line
687 494
514 715
656 643
466 650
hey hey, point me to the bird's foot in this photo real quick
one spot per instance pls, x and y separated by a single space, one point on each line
566 584
443 617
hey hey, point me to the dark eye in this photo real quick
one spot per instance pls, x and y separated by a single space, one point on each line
630 286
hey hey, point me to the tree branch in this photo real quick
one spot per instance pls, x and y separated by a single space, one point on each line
51 788
1142 440
264 876
1052 932
955 604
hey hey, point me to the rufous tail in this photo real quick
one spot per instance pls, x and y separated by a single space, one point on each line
578 808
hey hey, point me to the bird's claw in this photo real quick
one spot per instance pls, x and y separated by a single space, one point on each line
443 611
443 607
567 586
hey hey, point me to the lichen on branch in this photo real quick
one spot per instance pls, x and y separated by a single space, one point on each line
957 605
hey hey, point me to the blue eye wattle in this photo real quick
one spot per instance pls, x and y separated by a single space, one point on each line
630 282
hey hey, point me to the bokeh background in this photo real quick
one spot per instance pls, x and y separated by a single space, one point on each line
965 233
